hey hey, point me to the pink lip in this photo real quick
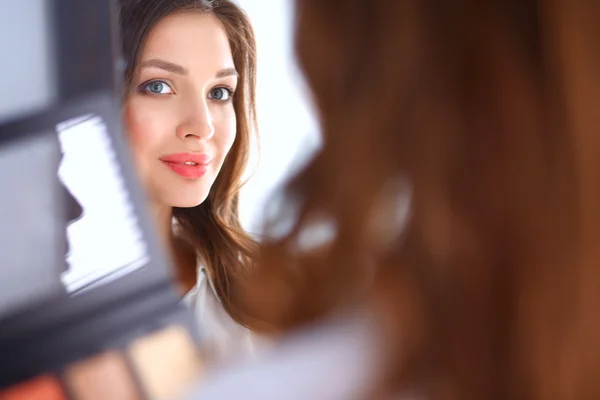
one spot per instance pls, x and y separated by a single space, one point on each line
177 163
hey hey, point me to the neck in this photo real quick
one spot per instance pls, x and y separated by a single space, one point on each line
182 256
162 217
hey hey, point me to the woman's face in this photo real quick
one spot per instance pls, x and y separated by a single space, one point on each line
179 113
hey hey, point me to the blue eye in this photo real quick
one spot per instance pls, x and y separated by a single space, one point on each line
220 94
157 87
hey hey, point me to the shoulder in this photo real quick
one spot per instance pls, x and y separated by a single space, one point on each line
222 337
304 364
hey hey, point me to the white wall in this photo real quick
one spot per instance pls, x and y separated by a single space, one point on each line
288 131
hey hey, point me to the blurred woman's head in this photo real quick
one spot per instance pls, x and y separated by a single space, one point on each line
484 116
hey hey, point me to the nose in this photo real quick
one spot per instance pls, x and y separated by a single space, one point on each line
197 125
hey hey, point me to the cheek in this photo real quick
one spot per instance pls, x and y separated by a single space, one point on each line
144 129
225 133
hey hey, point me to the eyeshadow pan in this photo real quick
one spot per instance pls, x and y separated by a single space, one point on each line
105 376
167 362
45 387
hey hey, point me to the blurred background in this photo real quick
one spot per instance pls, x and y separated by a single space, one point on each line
25 89
288 128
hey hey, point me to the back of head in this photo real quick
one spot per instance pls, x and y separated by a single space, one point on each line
484 115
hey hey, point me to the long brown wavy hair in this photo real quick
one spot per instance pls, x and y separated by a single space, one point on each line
485 114
213 227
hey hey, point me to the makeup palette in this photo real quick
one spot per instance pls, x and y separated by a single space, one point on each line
119 374
117 331
105 322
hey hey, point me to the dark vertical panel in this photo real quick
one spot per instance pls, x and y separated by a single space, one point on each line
85 39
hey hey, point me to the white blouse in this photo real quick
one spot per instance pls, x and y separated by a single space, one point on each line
337 359
226 339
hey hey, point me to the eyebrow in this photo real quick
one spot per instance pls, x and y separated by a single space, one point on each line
227 72
165 65
178 69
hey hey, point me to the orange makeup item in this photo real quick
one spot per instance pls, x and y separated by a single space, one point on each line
42 388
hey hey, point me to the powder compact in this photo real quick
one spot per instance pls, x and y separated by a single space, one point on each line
73 328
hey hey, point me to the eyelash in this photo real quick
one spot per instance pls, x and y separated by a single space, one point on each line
228 89
143 86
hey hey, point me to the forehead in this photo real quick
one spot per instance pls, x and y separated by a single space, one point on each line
191 39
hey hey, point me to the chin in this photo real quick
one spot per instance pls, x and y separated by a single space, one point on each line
186 200
187 204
